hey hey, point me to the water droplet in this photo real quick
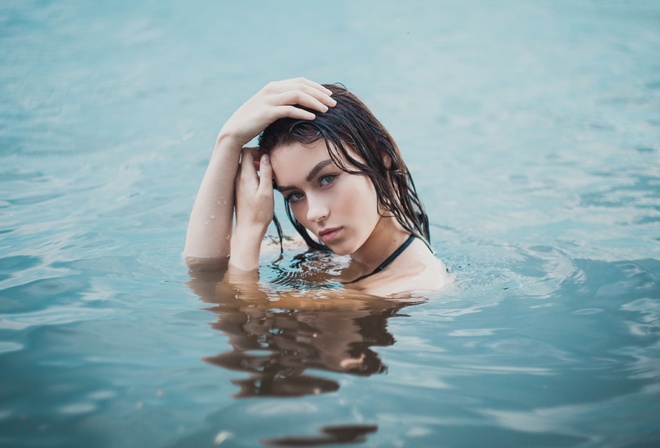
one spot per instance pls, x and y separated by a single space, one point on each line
212 216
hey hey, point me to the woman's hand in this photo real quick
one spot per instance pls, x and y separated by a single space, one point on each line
254 191
210 225
254 209
276 100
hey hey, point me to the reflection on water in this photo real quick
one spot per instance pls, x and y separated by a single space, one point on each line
330 435
276 337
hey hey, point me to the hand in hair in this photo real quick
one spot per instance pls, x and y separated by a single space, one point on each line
276 100
254 209
210 225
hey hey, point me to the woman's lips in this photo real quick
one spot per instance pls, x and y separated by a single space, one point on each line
328 235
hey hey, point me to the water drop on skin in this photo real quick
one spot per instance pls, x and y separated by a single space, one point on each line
212 216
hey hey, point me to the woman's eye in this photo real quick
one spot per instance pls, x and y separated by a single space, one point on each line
327 180
294 197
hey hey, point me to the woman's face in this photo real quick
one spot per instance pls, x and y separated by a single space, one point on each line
341 209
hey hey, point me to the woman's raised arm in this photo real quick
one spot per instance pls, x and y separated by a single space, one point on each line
210 226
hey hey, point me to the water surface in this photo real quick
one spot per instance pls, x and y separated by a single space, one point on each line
532 132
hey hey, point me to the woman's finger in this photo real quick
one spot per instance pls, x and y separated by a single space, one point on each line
277 100
303 92
295 83
315 85
294 112
248 169
323 95
299 98
265 175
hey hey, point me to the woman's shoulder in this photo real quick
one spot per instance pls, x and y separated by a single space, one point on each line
416 269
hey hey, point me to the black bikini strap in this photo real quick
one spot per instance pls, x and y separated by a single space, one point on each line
387 261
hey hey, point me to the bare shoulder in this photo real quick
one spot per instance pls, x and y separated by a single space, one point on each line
417 269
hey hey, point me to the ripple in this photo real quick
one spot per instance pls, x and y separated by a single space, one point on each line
102 394
56 315
77 408
588 311
6 347
42 293
18 263
505 370
542 271
475 332
281 408
647 320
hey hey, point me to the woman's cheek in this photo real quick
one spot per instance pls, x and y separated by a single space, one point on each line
298 213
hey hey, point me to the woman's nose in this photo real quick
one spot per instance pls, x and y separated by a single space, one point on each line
316 209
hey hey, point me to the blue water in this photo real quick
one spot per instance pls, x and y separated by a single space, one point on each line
533 133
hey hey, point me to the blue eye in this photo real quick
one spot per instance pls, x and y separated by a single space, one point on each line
327 180
294 197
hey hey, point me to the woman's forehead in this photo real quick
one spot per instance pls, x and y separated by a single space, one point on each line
301 151
293 152
292 163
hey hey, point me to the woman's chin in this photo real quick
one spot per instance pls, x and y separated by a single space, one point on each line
341 249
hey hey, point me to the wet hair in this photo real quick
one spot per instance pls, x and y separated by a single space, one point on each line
358 144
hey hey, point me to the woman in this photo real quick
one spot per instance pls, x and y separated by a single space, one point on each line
345 184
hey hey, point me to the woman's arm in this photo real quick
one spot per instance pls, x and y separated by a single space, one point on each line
210 223
254 209
210 226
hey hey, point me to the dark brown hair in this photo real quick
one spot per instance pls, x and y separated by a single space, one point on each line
350 129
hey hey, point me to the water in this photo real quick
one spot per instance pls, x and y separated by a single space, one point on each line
532 131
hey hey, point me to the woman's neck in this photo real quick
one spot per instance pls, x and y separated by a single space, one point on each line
387 236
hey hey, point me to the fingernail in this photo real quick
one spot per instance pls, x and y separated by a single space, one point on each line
265 159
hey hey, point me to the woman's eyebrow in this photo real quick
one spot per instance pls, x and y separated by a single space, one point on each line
319 166
312 173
